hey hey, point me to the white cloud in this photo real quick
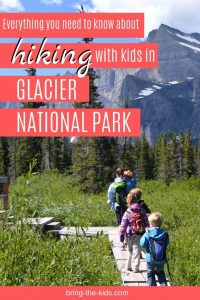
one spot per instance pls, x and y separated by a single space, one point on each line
11 5
182 15
58 2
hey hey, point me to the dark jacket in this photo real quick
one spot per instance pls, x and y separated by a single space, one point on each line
144 206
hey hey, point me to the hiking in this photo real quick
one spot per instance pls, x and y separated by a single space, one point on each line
138 227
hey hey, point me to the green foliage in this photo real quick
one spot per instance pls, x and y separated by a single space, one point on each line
52 194
28 258
188 161
93 164
22 152
164 170
56 154
180 206
3 156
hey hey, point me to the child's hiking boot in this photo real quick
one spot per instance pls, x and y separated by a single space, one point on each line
124 245
130 269
136 271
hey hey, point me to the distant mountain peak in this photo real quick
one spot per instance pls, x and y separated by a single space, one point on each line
165 32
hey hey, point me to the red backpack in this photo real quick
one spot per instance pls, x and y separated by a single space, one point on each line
136 222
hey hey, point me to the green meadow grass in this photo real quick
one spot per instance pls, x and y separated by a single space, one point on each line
78 261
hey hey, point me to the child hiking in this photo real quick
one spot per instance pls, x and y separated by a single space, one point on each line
132 227
118 191
155 242
138 193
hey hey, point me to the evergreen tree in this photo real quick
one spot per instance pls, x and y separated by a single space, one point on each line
90 167
164 161
126 155
32 72
188 160
180 154
94 101
3 156
24 150
56 154
136 157
145 159
174 148
197 157
93 163
13 146
28 149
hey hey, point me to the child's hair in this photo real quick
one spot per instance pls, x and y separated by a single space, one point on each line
137 192
128 174
155 219
131 198
119 172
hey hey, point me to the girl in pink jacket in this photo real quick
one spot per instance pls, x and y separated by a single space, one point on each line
133 227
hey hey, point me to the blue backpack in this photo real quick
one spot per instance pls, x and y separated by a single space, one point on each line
157 249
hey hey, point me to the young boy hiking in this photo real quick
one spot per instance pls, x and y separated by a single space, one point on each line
155 242
132 227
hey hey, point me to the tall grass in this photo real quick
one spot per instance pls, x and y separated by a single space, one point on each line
28 258
55 195
180 206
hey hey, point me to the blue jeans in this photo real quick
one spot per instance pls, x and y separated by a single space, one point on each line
153 270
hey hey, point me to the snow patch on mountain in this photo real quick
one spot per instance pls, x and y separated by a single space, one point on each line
173 82
157 87
188 38
190 46
146 92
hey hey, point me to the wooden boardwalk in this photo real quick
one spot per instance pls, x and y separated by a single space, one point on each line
120 255
128 278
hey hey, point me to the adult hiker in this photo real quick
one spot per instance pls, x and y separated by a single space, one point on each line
131 181
118 191
117 195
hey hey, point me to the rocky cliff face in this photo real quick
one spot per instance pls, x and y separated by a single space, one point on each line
168 96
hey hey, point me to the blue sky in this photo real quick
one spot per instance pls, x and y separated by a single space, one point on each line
183 16
36 6
46 6
40 5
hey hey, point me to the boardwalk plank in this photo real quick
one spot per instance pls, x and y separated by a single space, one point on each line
118 254
133 277
128 278
37 221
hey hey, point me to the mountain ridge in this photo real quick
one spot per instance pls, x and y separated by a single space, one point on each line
169 97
